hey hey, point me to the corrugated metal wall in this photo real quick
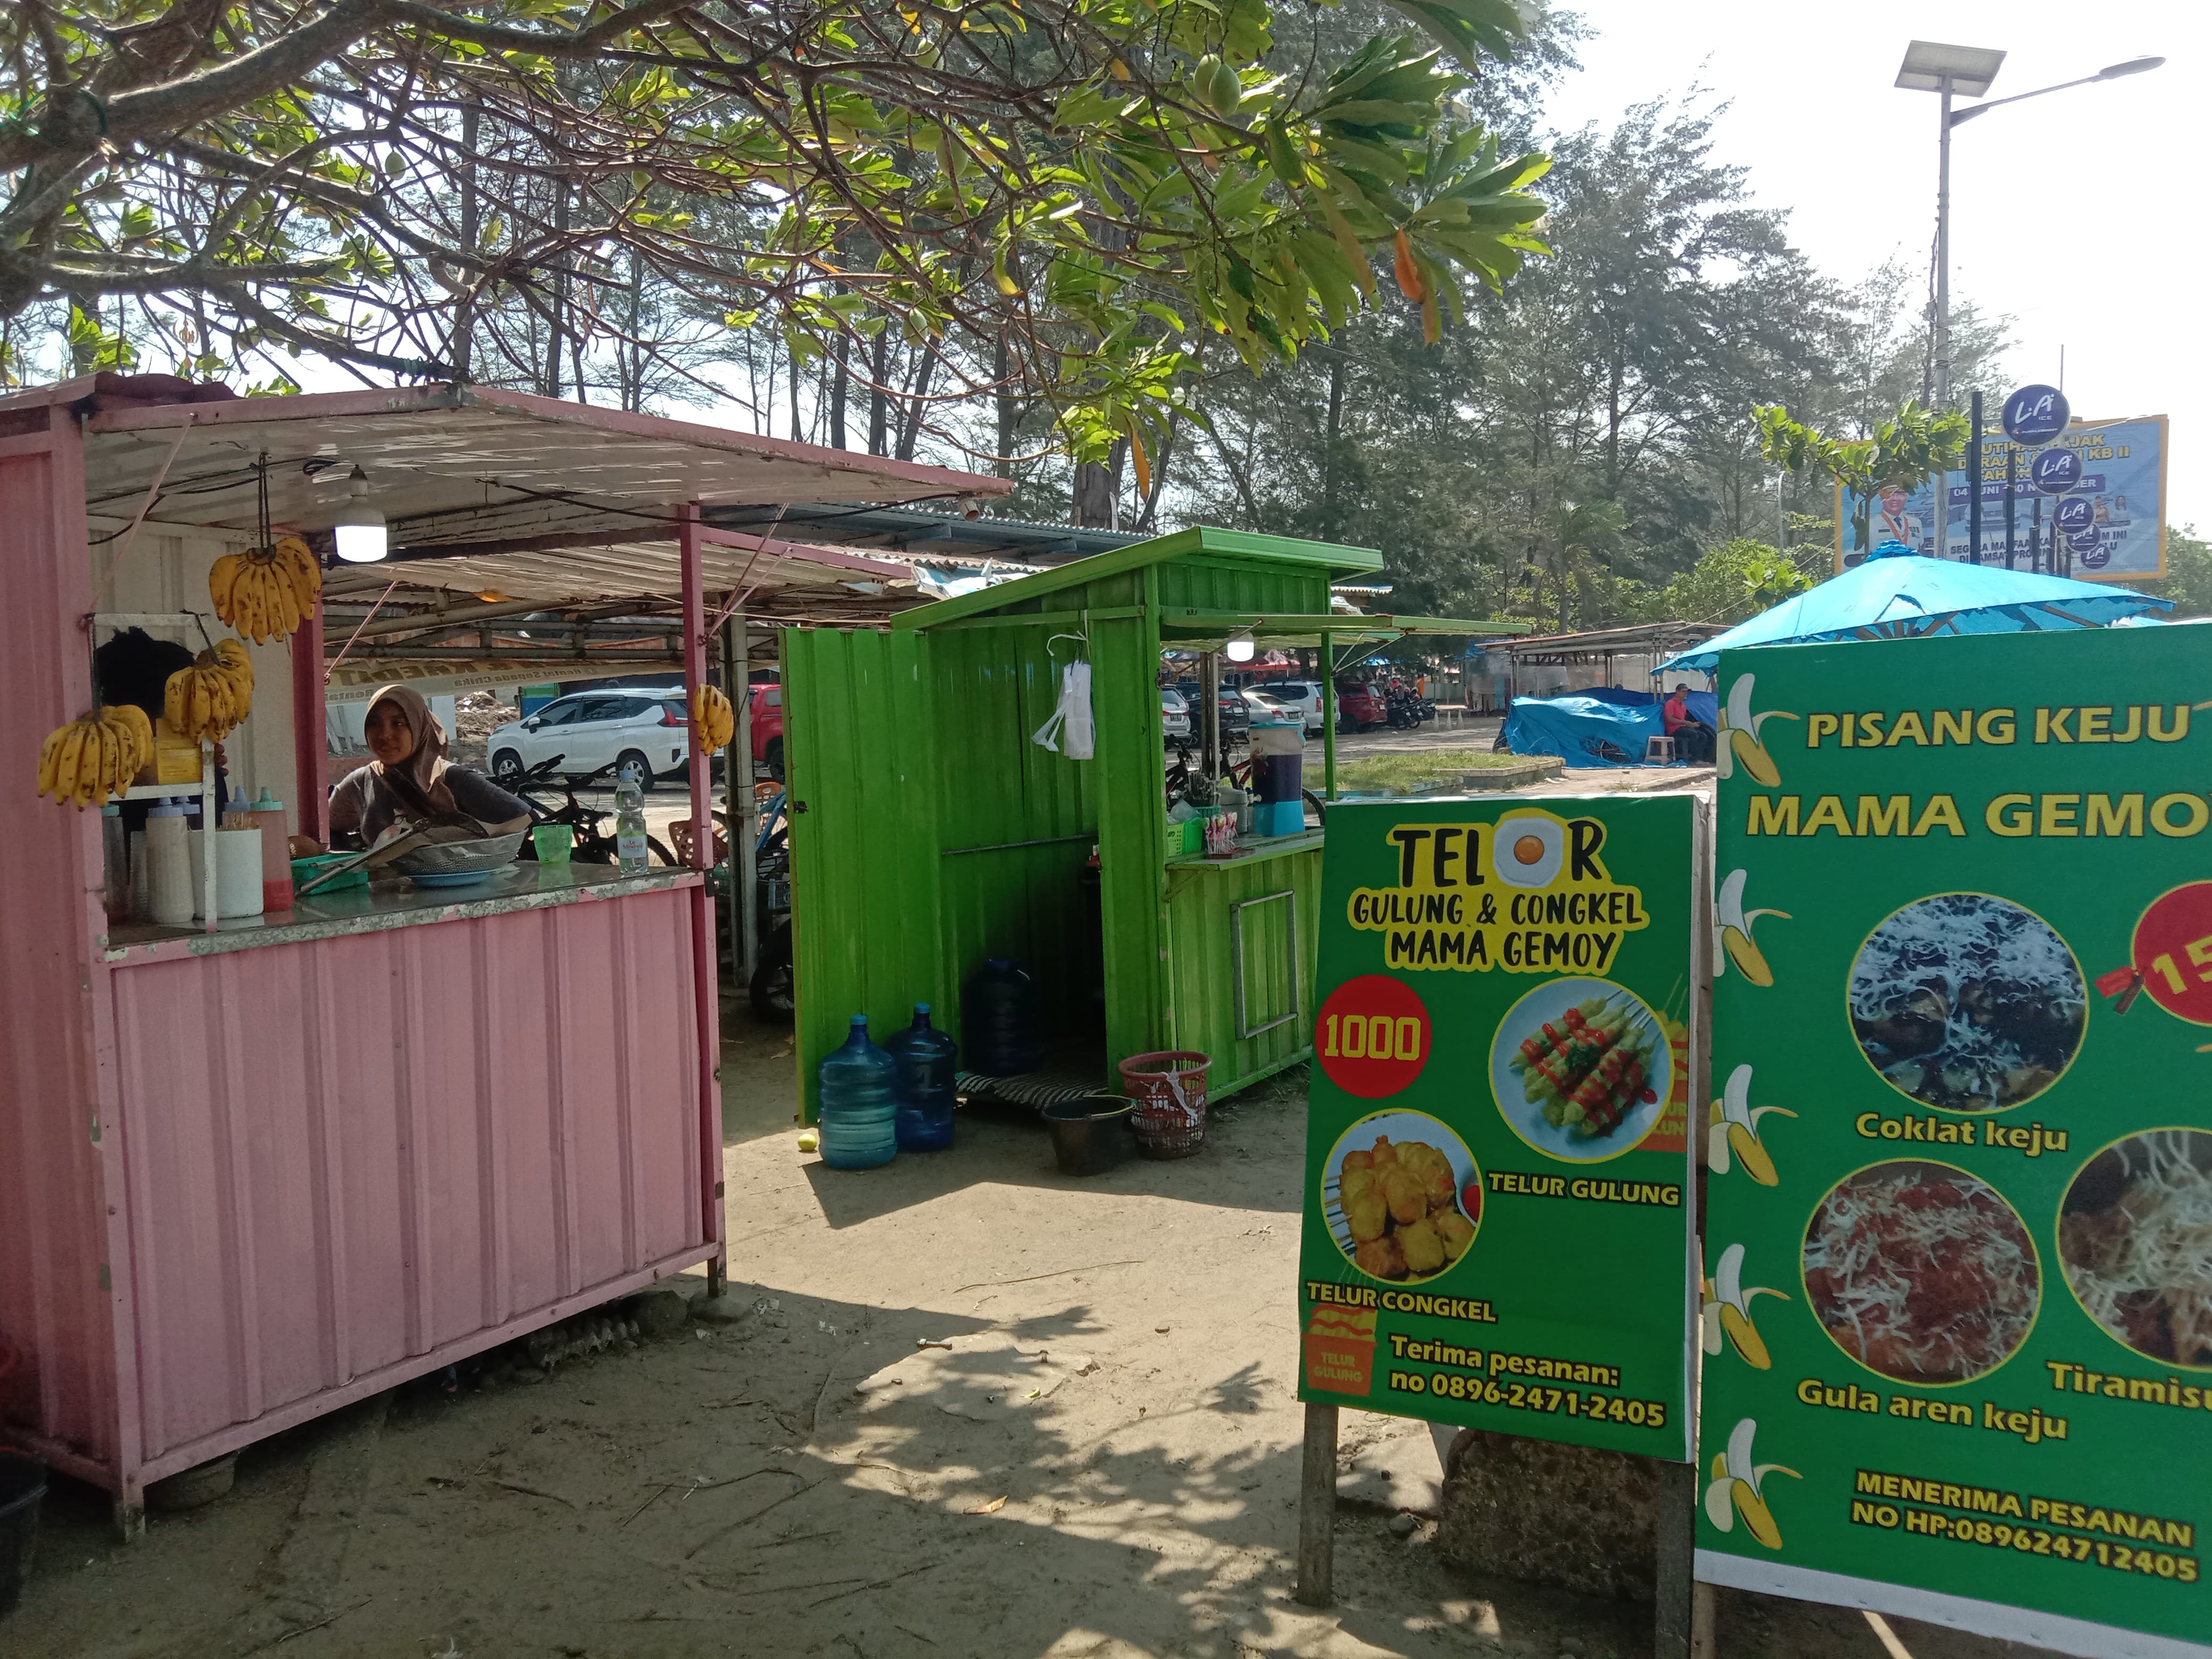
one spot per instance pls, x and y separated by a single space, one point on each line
499 1115
54 1304
927 805
860 751
1201 901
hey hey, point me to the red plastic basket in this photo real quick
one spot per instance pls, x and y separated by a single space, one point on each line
1169 1087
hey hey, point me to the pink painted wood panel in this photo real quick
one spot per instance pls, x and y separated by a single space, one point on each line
346 1154
57 1297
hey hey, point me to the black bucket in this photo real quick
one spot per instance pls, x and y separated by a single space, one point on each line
22 1488
1090 1136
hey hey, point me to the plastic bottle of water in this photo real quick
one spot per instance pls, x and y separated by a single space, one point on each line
629 828
924 1084
859 1108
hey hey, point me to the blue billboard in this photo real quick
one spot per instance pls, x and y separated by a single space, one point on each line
2111 517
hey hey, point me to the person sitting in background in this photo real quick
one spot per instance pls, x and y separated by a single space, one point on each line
411 782
1693 738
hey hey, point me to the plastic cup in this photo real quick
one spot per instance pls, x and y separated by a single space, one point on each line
555 841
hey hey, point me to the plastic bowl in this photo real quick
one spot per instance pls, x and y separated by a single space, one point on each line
306 870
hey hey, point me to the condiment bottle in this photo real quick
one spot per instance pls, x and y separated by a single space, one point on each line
168 865
115 863
267 815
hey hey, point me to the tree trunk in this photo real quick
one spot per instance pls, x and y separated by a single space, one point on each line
1099 489
1332 468
559 322
460 347
879 401
840 386
1002 367
918 401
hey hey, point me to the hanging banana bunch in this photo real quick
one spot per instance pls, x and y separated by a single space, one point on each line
212 696
713 717
93 759
267 593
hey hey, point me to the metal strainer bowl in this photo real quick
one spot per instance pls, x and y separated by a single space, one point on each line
459 858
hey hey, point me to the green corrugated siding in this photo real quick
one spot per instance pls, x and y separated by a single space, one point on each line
1201 968
866 886
1242 586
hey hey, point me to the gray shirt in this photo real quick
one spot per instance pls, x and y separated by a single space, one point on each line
363 802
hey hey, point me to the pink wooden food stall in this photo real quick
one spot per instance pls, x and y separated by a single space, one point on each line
252 1171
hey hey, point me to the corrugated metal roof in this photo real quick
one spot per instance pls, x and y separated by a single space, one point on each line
466 467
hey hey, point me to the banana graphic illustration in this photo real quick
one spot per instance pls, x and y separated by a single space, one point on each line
1738 737
1734 1135
1736 922
1728 1307
1734 1489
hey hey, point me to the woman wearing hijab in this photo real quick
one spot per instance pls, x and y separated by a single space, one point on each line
411 782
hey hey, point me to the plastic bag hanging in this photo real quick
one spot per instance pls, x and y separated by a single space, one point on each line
1071 723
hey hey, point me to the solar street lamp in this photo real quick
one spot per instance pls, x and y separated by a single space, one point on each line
1968 71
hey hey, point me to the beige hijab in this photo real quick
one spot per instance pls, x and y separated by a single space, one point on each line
418 782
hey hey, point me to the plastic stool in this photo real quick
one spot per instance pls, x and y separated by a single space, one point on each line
1658 752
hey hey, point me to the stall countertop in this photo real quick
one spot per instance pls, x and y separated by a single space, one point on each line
392 902
1258 850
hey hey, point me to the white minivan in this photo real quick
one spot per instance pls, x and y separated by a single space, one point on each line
641 730
1302 696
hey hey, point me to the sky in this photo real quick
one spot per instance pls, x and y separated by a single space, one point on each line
2082 215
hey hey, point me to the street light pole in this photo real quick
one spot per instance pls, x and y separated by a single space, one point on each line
1949 71
1943 396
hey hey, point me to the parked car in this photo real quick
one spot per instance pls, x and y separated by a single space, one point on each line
1235 713
1303 696
1359 707
642 731
1174 714
767 729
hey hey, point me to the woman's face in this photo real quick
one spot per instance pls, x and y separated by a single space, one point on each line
390 739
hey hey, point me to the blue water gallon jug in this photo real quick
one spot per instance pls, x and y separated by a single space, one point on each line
999 1020
923 1055
858 1127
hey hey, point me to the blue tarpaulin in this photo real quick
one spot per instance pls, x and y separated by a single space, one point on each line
1593 729
1905 596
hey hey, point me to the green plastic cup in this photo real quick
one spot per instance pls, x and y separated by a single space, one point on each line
555 841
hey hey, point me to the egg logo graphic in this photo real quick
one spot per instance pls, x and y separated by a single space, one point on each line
1527 850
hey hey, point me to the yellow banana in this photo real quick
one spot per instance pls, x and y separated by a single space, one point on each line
1757 1163
50 755
142 735
288 600
233 653
176 701
222 584
65 766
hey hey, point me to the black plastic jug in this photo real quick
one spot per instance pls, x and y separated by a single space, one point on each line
1000 1022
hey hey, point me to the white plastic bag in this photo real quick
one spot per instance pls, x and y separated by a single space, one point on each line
1070 721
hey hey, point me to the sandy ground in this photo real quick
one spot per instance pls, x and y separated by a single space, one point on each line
1101 1459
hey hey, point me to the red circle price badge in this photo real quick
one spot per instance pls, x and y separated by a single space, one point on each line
2172 951
1372 1035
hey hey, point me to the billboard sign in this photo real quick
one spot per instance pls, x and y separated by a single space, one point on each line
1500 1207
2121 479
1960 1350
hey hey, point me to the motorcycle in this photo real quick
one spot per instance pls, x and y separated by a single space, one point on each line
592 844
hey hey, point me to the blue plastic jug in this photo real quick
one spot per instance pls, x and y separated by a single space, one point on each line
1000 1022
859 1111
923 1055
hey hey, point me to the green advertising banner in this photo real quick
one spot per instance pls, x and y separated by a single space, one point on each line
1958 1327
1499 1208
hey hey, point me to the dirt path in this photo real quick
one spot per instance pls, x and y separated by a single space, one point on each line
1102 1459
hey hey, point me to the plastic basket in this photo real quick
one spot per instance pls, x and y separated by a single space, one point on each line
1169 1088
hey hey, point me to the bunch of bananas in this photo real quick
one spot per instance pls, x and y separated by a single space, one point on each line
95 757
212 697
713 717
266 594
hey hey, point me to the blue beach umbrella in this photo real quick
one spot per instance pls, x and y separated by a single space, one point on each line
1910 596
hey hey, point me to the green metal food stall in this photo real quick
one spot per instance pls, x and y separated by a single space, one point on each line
930 832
